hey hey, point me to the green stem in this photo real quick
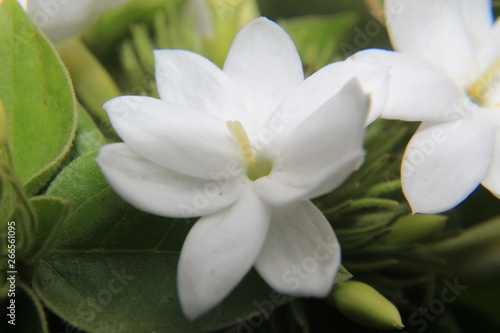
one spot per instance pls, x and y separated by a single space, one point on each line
92 82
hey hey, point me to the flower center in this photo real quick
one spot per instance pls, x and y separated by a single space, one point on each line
485 90
257 166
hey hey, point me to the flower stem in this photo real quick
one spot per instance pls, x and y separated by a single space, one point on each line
92 82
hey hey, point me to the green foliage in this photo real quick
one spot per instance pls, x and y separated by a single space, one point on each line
101 265
113 268
38 99
88 136
30 315
50 213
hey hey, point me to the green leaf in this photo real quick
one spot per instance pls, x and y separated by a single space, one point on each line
15 209
342 275
114 268
482 299
88 136
29 314
37 96
3 134
50 213
299 315
17 223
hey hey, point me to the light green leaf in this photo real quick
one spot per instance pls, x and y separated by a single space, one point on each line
114 268
37 96
50 213
17 223
16 212
3 134
88 136
342 275
30 316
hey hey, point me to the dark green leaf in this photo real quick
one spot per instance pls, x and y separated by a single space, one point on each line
50 213
299 316
113 268
29 314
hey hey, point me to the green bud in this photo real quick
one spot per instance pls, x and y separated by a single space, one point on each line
415 228
365 306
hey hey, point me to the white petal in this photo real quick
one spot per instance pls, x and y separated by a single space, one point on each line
217 253
179 138
444 162
301 254
478 19
188 79
62 19
435 31
23 3
109 4
490 50
416 90
161 191
198 13
323 85
321 152
265 66
492 179
489 59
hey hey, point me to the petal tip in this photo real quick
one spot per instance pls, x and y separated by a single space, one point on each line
192 310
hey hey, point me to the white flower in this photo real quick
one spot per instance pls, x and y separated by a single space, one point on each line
446 75
199 12
61 19
245 147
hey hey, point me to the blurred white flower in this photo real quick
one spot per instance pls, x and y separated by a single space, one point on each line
200 13
246 148
60 19
446 74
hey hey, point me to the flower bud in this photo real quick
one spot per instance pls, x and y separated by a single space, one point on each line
415 228
365 306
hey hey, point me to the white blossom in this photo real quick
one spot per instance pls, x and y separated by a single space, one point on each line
446 74
60 19
245 148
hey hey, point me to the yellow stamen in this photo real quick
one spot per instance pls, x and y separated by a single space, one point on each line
480 89
256 167
244 145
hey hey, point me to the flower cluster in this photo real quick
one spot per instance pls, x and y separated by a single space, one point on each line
247 147
446 74
257 141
